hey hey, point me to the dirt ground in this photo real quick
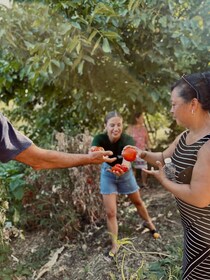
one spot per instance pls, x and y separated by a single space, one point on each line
83 259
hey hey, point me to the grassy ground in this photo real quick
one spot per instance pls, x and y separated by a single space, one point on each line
39 256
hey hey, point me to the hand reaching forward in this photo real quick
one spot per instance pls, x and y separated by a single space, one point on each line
98 157
159 173
39 158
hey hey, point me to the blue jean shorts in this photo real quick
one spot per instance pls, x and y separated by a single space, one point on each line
111 183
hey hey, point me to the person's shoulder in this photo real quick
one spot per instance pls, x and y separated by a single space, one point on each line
130 126
182 136
126 136
100 136
205 150
129 129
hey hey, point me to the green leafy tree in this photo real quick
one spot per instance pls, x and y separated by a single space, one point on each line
65 63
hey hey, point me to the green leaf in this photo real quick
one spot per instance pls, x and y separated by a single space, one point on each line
64 28
80 67
124 47
74 42
56 63
96 45
76 24
16 182
105 46
92 35
16 216
110 34
89 59
102 9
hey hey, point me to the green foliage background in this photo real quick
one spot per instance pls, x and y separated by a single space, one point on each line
64 64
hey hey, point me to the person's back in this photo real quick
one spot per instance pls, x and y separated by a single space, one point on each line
141 137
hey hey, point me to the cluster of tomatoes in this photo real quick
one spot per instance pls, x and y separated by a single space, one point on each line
119 168
129 154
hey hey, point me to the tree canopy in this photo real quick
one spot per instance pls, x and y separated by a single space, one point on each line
64 64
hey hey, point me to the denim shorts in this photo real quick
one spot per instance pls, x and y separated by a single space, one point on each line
111 183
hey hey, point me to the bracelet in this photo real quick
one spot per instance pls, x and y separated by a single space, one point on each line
143 154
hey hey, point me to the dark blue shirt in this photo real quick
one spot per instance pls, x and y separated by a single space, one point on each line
12 142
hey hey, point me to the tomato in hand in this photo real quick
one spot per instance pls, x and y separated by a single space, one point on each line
129 154
119 168
116 168
96 149
124 167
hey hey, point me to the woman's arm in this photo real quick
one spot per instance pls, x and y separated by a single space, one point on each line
196 193
153 157
39 158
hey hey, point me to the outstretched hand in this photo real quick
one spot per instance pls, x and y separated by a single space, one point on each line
159 173
98 157
119 169
134 147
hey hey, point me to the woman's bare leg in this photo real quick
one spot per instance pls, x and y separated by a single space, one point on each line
110 204
141 208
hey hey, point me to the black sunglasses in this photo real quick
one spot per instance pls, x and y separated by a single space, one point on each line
193 87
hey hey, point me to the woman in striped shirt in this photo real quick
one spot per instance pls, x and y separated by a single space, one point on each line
190 152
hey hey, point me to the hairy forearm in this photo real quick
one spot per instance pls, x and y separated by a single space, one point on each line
39 158
52 159
152 157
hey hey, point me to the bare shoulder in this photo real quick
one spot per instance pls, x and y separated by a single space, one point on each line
129 128
176 140
205 150
203 159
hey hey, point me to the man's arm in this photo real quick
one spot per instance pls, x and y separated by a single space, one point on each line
39 158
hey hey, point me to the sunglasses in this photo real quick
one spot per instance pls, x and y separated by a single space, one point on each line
193 87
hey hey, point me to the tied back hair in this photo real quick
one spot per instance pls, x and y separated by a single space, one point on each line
136 116
199 81
110 115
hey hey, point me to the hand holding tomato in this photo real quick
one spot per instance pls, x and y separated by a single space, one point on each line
119 169
129 153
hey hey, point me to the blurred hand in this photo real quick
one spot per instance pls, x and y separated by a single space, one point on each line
159 173
101 156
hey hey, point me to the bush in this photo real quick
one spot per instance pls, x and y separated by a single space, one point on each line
62 200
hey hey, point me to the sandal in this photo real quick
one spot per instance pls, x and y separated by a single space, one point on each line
109 256
154 232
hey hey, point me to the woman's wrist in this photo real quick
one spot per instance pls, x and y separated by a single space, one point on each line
143 154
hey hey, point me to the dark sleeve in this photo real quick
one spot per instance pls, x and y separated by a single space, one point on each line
97 141
12 142
128 140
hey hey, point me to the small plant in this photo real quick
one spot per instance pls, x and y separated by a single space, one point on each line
167 267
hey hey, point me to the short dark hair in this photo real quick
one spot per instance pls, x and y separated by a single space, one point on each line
195 85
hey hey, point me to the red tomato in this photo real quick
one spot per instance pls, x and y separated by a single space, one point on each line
119 168
118 165
129 154
116 168
124 167
96 148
